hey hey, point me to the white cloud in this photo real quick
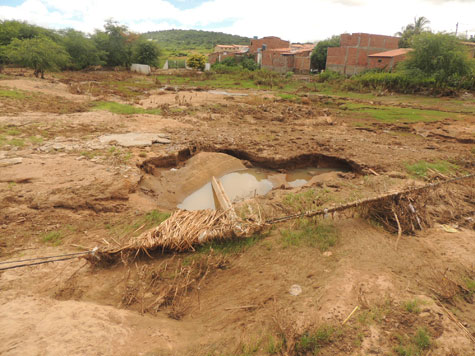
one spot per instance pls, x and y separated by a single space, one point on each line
296 20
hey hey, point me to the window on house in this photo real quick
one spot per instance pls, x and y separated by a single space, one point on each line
380 60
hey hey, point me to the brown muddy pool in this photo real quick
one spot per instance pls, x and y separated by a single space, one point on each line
247 183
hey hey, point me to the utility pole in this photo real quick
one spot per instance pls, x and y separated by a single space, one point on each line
456 29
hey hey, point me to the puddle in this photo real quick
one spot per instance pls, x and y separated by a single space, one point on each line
222 92
247 183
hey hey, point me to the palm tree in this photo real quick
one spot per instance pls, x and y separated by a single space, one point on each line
420 25
406 33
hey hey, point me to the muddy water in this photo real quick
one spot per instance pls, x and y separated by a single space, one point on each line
247 183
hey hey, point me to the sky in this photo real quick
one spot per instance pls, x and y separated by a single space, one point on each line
294 20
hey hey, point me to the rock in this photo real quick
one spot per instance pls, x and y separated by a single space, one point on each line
295 290
10 161
132 139
327 253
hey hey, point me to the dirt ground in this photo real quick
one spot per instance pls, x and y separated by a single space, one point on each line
63 189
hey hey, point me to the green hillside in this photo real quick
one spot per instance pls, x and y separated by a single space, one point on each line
180 42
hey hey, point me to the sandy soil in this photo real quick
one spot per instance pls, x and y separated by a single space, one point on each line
65 182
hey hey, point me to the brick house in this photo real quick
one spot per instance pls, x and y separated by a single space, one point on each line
387 60
267 43
225 51
294 59
352 56
269 52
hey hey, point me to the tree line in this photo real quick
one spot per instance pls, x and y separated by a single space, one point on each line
44 49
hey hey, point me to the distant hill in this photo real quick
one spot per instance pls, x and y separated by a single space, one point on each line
174 41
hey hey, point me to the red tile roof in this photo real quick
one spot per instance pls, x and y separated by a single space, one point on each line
392 53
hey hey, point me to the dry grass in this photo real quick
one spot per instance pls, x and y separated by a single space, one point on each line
168 285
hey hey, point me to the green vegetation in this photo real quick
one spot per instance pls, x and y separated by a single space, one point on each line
123 109
147 221
396 114
178 43
39 53
43 49
232 246
318 59
274 346
413 306
313 342
196 61
234 64
15 94
145 52
414 346
442 57
420 169
411 30
307 200
310 233
53 237
470 285
81 49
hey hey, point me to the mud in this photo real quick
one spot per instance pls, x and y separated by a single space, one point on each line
69 192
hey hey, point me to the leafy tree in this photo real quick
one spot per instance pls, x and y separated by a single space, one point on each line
39 53
117 42
440 56
407 33
318 59
146 52
83 50
11 29
196 61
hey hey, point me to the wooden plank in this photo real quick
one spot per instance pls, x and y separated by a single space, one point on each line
223 200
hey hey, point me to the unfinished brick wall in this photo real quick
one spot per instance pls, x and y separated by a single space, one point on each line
352 55
270 42
219 56
286 62
277 62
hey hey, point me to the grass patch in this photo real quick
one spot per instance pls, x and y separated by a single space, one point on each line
274 346
147 221
13 94
313 342
310 234
415 346
123 109
229 247
413 306
391 114
307 200
36 139
420 169
470 285
18 142
53 237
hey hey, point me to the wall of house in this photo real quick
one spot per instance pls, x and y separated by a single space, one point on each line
276 61
387 63
352 55
270 42
288 62
219 56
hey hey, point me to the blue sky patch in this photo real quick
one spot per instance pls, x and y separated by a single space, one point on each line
186 4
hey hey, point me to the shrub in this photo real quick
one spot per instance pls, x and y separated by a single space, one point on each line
439 56
329 76
196 61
